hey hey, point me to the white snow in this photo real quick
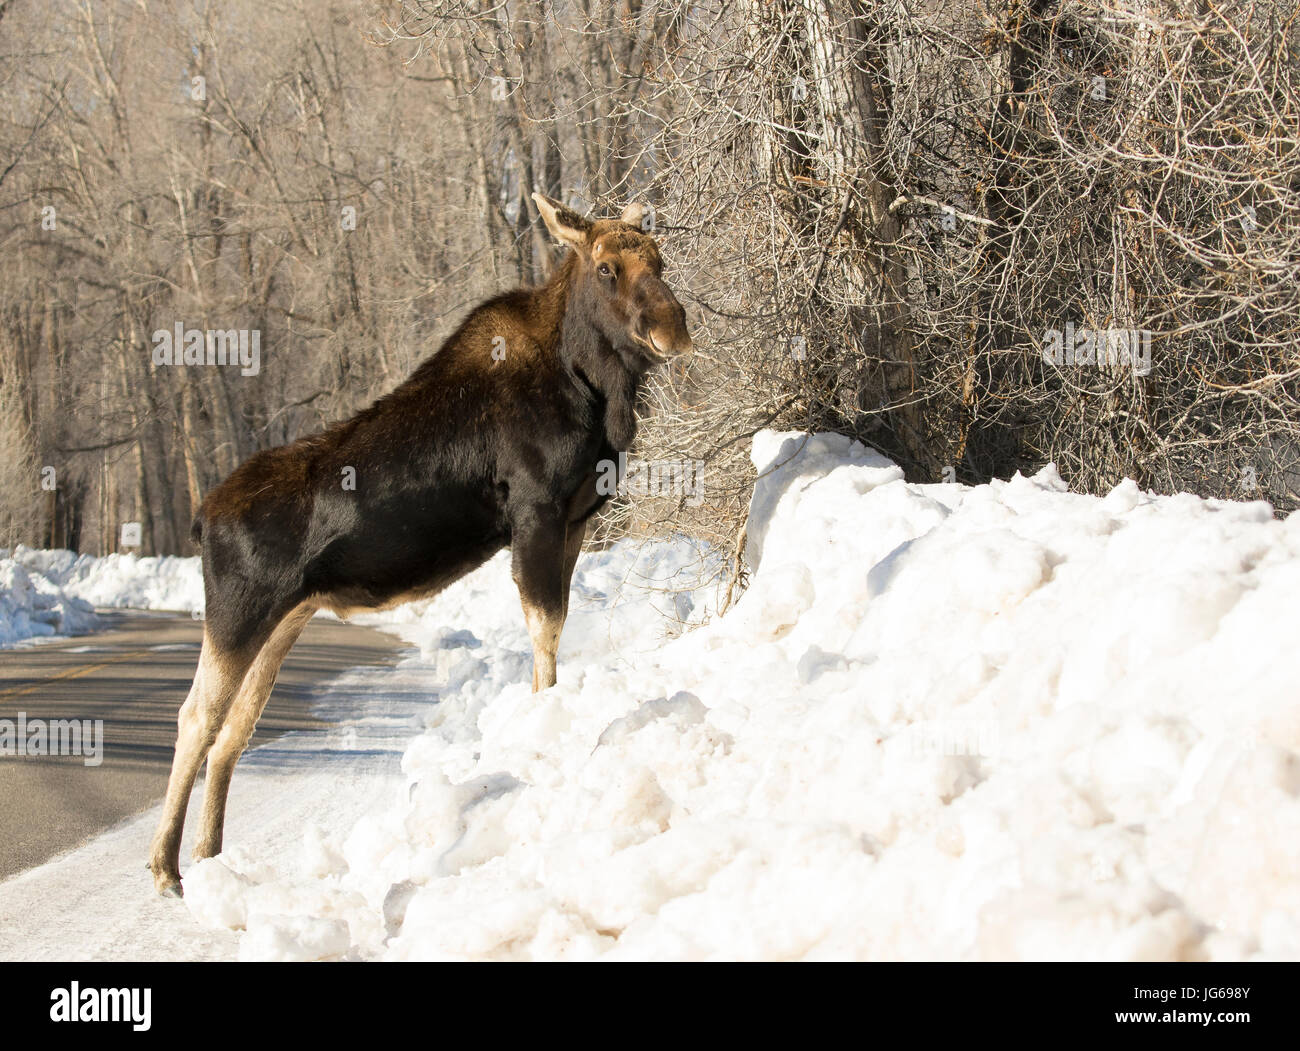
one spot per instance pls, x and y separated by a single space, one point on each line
34 606
55 593
943 722
166 582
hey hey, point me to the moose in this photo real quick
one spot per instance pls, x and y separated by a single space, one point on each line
494 441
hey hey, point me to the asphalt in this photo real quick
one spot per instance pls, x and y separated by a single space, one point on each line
134 676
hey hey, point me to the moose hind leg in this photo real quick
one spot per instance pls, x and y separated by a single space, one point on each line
216 683
240 722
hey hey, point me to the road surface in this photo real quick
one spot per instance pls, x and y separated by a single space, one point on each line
134 676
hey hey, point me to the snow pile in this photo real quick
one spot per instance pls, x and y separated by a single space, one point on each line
166 582
32 605
44 593
992 722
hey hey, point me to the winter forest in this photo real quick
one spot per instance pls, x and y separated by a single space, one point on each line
980 237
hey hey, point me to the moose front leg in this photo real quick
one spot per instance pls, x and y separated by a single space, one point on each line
543 603
538 565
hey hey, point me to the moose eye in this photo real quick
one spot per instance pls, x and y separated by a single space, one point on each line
605 270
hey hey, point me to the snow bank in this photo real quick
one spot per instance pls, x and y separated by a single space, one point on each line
992 722
32 606
121 581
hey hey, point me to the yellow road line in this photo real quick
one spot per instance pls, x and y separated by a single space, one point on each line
74 673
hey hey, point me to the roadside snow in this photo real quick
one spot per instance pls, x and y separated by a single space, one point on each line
992 722
34 606
166 582
48 593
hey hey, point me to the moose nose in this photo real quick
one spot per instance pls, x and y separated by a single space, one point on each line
670 337
674 337
685 344
662 321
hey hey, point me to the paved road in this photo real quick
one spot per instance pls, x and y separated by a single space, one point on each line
134 677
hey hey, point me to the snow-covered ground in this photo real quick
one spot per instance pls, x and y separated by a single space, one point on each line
49 593
992 722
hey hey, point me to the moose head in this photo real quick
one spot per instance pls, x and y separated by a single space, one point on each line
618 283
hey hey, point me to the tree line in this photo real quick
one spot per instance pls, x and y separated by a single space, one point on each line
978 236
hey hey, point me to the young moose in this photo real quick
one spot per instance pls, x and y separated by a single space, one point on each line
493 442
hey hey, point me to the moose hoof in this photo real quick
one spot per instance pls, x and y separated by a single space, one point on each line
167 885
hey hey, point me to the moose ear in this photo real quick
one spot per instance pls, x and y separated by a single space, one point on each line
566 225
635 214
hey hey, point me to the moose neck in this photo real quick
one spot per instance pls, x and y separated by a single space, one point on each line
612 373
